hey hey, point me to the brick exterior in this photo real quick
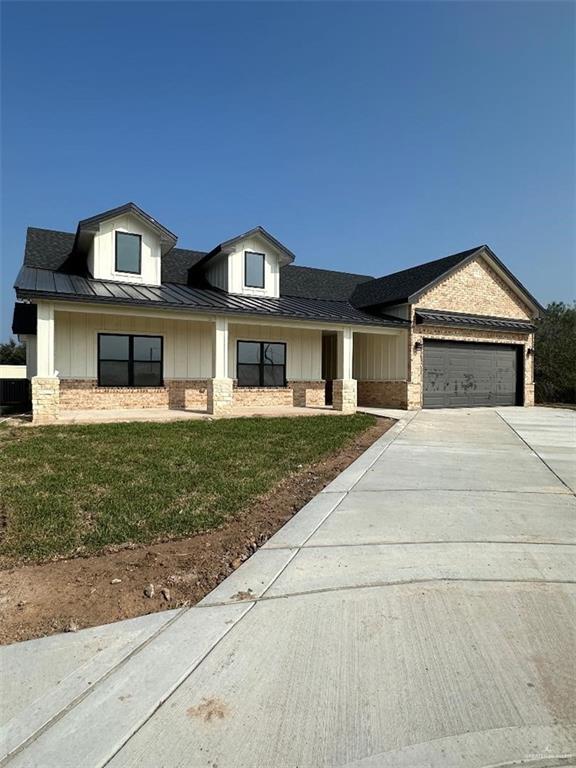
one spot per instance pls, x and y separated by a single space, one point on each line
477 289
383 394
344 395
45 399
85 394
264 396
308 394
298 393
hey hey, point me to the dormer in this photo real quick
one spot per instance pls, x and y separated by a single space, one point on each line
248 264
124 244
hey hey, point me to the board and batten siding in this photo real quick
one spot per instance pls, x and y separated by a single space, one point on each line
187 343
380 358
303 349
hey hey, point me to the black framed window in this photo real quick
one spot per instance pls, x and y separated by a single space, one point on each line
253 269
129 361
261 364
128 253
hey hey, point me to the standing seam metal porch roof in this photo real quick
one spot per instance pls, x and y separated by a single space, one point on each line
42 283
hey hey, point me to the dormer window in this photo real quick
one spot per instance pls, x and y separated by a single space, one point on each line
128 253
253 269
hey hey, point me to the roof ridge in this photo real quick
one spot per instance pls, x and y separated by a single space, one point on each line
464 254
337 271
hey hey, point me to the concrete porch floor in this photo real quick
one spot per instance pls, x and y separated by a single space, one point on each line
171 414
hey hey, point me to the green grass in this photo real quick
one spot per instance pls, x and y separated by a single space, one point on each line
77 489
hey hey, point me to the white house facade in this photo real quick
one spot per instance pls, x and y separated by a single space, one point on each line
116 316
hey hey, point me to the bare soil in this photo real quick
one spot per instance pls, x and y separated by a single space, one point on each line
66 595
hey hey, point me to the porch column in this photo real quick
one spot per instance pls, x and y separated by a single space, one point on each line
344 396
45 384
220 385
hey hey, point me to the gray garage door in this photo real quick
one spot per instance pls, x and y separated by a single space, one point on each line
458 374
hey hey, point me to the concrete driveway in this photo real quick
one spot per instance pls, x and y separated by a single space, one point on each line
418 612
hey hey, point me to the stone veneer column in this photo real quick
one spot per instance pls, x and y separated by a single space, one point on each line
345 388
45 399
220 392
220 396
344 395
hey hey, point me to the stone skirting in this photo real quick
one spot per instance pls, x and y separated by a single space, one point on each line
344 395
45 399
85 394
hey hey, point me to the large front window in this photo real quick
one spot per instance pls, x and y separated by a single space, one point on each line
261 364
128 253
129 361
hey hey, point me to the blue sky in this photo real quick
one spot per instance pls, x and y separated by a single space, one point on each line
368 137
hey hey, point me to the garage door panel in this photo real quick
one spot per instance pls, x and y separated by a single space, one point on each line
460 374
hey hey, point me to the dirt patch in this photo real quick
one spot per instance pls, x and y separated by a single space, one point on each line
66 595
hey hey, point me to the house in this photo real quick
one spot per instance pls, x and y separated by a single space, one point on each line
116 316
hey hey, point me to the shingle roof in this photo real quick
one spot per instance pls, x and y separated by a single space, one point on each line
311 283
43 283
177 263
399 286
46 248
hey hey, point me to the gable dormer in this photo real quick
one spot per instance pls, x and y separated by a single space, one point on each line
123 244
248 264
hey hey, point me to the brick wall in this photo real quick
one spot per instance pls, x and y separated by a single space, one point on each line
477 289
383 394
310 394
298 393
81 394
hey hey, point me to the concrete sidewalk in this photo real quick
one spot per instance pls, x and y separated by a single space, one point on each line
418 612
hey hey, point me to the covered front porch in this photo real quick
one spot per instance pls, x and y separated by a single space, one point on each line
113 364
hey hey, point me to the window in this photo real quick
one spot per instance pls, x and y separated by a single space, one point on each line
129 361
253 269
128 251
261 364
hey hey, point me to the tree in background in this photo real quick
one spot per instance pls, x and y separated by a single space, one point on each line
12 353
555 355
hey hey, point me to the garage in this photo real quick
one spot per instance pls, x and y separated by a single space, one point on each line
464 374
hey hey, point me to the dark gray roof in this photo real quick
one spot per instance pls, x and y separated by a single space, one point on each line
46 248
311 283
459 319
176 264
49 284
400 286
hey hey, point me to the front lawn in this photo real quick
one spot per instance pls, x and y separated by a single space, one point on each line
77 489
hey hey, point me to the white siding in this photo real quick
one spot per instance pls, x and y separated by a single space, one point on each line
380 357
303 349
217 272
101 258
271 268
187 344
